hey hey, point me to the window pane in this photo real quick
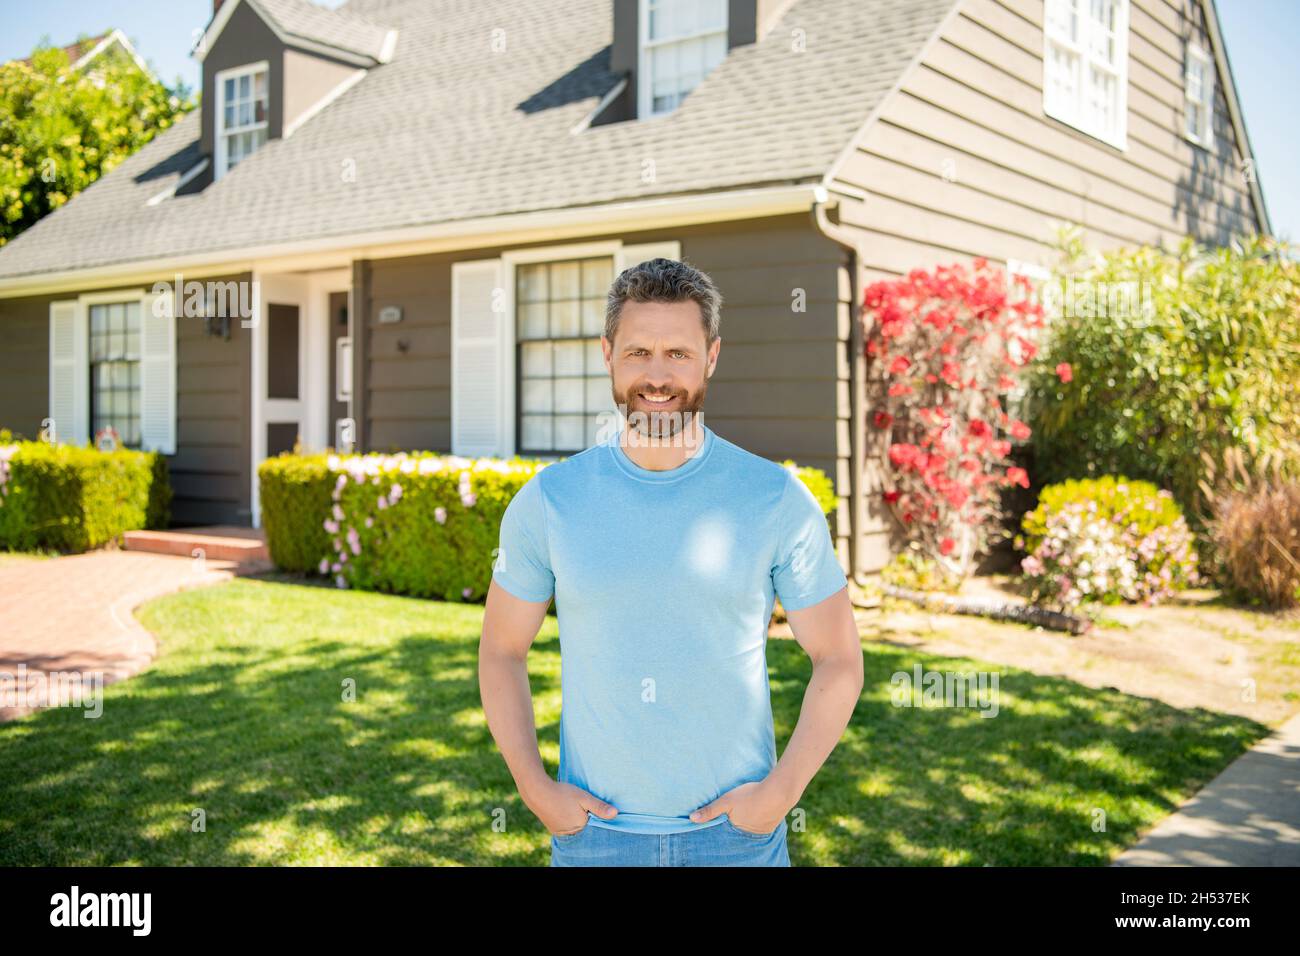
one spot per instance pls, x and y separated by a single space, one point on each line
565 282
595 358
537 359
532 283
569 393
568 358
597 274
599 395
537 432
565 318
593 317
230 89
536 395
244 87
570 432
532 321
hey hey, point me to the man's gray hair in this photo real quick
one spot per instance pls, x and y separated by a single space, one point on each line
665 280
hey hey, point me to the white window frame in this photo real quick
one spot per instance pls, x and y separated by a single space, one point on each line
219 120
1197 54
1075 114
511 260
645 86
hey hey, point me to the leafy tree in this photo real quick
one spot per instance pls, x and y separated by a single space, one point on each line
60 130
1172 353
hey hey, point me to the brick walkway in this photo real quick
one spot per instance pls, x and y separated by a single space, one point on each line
74 614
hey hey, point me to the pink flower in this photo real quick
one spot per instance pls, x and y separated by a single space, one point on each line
324 565
338 513
466 592
1065 372
1018 476
946 546
383 502
396 493
331 526
440 514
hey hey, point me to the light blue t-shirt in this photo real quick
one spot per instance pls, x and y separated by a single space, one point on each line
663 585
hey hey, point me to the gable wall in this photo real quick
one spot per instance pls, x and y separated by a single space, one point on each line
962 162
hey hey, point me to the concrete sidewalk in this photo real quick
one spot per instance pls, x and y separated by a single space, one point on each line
1249 815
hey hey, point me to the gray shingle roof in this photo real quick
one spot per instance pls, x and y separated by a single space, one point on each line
341 29
450 130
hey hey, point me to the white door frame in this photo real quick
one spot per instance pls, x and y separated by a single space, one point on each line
310 410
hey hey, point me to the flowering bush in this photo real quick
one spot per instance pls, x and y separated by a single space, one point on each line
421 524
948 345
1106 540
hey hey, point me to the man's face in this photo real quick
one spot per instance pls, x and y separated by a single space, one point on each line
659 365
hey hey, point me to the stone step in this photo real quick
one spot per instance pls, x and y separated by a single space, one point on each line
244 546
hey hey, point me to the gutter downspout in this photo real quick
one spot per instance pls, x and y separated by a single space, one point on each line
857 375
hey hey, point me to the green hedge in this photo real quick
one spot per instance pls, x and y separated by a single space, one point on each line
403 547
74 498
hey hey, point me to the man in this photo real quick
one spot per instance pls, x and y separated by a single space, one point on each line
663 546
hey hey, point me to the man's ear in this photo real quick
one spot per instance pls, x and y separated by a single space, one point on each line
714 349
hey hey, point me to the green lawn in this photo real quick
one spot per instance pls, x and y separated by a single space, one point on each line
243 716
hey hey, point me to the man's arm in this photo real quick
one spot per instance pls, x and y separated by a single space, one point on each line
828 633
510 625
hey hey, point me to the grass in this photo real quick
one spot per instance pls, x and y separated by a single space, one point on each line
245 717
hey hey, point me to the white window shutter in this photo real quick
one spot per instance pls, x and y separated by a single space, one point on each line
69 401
629 256
158 373
478 358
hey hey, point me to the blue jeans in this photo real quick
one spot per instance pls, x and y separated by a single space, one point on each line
722 844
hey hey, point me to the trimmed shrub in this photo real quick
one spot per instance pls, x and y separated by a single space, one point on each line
295 497
74 498
1108 540
421 524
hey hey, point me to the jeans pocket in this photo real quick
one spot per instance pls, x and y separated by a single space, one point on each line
568 837
750 833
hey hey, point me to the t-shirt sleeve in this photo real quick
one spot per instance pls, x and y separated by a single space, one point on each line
522 564
807 570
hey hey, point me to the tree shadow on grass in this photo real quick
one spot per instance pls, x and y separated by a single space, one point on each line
1023 787
242 715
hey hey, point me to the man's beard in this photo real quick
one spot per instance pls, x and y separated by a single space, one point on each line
652 422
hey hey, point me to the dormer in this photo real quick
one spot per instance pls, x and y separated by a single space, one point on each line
270 65
665 48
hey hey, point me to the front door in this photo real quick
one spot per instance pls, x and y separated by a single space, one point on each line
284 373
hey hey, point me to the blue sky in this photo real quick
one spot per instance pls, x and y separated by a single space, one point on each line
1261 36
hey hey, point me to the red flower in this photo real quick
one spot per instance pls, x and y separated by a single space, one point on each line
978 427
1020 431
884 419
1018 476
899 388
900 365
891 496
1006 383
1065 372
903 455
947 545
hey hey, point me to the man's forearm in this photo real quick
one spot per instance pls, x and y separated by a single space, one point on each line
828 705
508 707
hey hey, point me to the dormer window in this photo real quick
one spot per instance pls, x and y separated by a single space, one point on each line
242 108
681 42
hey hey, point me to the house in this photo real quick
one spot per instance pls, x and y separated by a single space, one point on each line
89 53
393 223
